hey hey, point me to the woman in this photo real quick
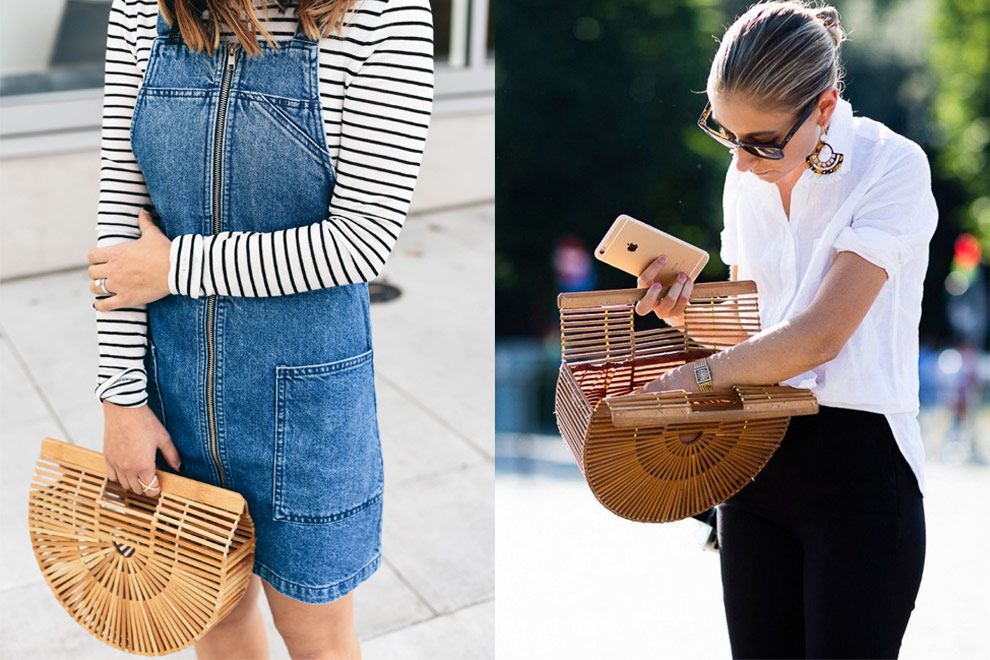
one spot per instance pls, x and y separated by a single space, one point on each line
831 215
234 322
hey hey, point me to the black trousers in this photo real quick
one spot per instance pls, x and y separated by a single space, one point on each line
822 553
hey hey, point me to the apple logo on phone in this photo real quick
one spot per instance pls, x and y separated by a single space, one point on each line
632 247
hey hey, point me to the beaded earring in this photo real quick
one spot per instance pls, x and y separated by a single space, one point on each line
824 160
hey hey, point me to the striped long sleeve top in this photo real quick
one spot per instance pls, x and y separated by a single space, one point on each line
376 90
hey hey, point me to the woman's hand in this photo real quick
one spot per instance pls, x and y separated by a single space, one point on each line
670 306
131 438
136 271
679 378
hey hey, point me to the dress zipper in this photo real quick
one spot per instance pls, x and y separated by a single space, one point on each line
211 301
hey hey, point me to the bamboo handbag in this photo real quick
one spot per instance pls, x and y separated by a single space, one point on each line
144 574
664 456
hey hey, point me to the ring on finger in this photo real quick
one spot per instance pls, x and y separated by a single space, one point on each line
145 486
102 283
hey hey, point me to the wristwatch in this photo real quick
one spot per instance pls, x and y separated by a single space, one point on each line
703 375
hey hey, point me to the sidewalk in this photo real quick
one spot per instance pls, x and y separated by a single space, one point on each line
578 582
433 596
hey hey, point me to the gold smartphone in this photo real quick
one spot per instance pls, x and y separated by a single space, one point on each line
631 245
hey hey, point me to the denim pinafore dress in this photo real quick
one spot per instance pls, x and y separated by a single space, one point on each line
272 397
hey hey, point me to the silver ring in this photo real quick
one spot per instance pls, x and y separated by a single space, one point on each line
102 283
147 486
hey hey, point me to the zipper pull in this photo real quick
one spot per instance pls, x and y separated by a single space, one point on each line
231 55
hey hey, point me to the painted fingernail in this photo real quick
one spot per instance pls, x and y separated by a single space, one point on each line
654 287
152 211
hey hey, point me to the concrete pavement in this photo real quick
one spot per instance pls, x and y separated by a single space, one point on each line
433 596
577 582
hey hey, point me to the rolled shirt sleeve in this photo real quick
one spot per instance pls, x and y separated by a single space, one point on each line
897 217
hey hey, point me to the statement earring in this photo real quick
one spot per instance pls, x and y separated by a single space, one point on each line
824 160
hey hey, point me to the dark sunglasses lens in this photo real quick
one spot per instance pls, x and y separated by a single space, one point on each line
765 152
717 135
725 142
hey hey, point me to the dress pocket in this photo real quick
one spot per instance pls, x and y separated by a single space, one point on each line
328 462
290 116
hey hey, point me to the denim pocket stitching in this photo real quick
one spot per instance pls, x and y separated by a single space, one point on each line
158 388
186 92
296 132
285 374
295 371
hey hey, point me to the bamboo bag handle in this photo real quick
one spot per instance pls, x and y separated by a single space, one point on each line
93 462
757 401
603 297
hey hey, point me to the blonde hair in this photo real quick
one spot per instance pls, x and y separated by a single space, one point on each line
318 19
779 55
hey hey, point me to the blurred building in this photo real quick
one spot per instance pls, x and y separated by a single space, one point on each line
51 94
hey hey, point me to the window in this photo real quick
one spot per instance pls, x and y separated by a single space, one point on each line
463 35
52 46
51 69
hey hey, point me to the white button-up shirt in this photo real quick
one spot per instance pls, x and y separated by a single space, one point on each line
879 204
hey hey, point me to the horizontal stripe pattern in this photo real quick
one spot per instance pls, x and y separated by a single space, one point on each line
376 90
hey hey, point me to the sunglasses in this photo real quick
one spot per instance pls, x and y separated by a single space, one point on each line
771 150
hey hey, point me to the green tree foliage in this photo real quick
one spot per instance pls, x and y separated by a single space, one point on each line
596 108
960 58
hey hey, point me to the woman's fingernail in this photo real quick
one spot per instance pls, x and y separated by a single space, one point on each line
152 211
654 287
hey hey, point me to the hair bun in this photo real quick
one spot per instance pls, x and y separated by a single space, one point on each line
829 17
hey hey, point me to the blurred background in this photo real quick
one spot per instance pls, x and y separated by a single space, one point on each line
597 108
433 596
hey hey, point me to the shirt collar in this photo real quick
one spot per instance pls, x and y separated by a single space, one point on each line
841 132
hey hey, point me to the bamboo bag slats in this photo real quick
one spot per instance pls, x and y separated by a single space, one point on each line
144 574
664 456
